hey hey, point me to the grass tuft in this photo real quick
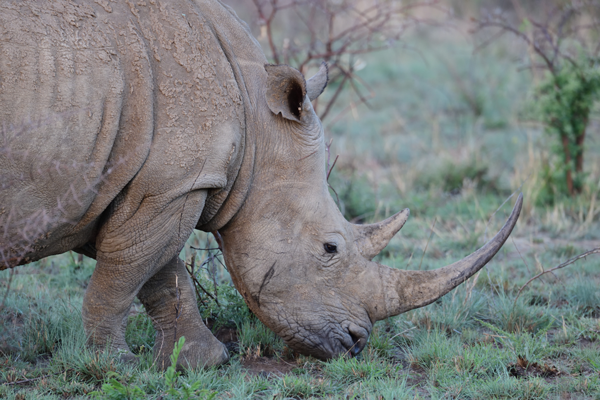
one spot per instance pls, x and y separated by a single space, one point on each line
256 340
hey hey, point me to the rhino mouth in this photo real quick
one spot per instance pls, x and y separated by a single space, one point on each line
332 343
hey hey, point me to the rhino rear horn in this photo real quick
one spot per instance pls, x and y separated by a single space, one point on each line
286 89
372 238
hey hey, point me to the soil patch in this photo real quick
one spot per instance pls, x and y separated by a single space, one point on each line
226 335
524 369
587 342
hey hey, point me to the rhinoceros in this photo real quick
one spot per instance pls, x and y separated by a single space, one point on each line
127 124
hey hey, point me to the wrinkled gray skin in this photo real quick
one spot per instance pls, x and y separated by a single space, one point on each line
126 126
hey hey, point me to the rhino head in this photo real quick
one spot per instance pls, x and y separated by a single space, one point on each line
305 271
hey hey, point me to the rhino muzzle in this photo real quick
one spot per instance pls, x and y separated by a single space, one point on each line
346 339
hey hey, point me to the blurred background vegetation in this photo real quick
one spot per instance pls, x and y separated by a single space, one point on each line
444 97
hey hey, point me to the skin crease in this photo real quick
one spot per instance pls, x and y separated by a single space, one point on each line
155 118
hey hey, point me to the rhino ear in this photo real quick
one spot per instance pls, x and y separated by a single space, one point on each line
286 89
316 84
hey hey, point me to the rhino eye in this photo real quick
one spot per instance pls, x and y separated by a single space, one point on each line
330 248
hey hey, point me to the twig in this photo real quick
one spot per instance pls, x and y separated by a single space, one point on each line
427 244
213 275
191 271
177 307
565 264
337 197
333 165
334 97
198 284
218 238
404 331
220 262
350 349
328 151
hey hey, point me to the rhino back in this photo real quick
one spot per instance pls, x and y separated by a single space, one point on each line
101 99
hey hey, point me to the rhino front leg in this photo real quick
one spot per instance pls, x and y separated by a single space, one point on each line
137 250
170 301
106 305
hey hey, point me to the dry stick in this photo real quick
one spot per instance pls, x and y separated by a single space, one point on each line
205 264
328 150
213 275
198 284
542 266
221 262
350 349
427 244
334 97
565 264
403 332
177 308
331 169
219 239
190 270
337 197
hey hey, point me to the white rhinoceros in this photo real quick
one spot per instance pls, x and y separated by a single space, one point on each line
127 124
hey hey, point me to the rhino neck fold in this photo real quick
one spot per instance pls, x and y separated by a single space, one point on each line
247 62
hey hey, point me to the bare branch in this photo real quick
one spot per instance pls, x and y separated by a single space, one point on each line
332 31
331 169
563 265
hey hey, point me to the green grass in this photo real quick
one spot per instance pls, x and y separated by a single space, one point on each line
257 340
442 137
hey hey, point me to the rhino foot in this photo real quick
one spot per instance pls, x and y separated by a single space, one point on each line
170 300
196 353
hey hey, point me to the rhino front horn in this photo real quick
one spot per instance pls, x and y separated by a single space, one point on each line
373 238
403 290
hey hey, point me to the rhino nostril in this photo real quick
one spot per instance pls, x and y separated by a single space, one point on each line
359 343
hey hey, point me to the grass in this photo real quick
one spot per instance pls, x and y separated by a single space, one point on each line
445 140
